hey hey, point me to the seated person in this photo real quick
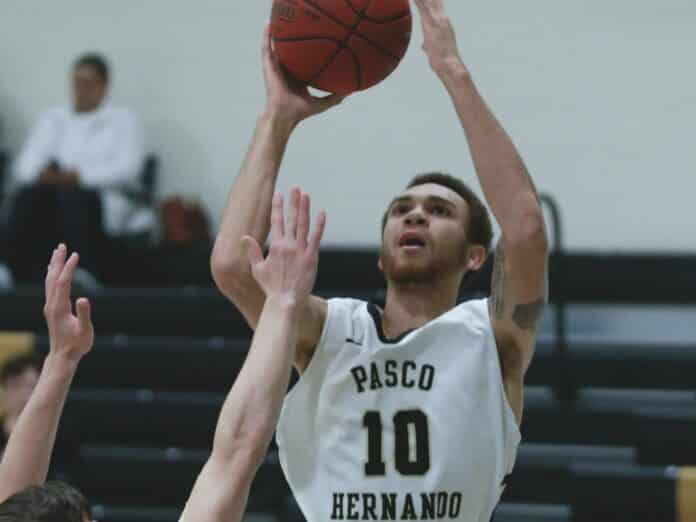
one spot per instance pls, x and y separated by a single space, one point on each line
73 171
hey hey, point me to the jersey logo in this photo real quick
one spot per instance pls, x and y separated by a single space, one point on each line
353 341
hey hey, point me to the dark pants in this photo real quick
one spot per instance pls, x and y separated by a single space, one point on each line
44 216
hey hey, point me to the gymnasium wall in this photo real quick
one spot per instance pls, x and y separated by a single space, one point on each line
599 96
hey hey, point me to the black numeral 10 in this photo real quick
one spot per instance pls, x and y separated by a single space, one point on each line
405 463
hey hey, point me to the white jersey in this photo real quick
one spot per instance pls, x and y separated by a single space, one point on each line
416 428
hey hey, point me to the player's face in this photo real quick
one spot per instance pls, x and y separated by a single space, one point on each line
425 235
89 88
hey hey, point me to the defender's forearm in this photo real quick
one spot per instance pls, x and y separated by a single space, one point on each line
251 410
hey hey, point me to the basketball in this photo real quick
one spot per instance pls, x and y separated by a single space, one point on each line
340 46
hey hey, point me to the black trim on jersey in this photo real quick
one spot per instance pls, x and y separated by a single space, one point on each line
505 479
376 314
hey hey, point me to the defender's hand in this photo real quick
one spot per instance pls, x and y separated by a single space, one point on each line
439 39
286 97
70 335
290 269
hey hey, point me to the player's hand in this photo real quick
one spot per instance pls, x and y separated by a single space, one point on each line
70 335
290 269
286 96
439 40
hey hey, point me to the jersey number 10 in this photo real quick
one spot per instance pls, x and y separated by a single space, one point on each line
407 463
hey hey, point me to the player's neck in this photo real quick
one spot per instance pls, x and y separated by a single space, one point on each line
411 306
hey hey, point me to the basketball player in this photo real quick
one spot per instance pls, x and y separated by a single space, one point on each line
411 412
248 417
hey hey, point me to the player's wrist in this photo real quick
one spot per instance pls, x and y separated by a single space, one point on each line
62 362
451 69
284 303
280 120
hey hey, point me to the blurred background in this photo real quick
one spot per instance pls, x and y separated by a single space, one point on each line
599 97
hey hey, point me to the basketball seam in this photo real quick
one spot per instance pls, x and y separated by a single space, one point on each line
341 46
369 40
364 16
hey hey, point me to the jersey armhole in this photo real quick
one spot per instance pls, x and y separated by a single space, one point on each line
317 353
510 418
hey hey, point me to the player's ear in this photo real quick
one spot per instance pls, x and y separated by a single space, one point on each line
475 257
379 264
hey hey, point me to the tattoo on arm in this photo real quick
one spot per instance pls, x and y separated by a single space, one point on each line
526 315
497 300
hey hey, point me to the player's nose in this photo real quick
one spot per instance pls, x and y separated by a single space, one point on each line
416 216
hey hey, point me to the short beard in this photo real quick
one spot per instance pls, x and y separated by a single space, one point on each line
424 275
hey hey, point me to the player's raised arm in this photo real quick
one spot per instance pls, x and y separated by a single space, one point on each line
252 408
29 449
248 208
519 289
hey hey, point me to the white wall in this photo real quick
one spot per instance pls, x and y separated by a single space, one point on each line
599 96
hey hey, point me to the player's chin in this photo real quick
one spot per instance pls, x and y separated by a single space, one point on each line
410 270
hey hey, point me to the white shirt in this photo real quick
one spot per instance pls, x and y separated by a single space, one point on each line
105 147
416 428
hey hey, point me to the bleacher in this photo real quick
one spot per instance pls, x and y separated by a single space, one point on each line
608 434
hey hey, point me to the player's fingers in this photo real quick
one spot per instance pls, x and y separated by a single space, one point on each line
58 265
326 102
84 313
62 292
51 276
318 232
303 220
277 225
254 253
266 44
293 212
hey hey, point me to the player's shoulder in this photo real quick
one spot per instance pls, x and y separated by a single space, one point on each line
346 304
344 315
472 310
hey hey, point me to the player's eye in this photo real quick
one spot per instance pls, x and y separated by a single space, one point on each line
440 210
399 210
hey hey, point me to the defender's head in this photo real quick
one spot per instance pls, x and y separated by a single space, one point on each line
436 229
18 378
90 82
52 502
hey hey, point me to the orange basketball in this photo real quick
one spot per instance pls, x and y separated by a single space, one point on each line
340 46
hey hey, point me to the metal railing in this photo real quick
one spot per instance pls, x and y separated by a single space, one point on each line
565 387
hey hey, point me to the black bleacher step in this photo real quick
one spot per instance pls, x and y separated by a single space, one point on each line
600 484
661 424
618 365
543 471
160 311
163 477
161 363
623 492
143 417
186 311
512 512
